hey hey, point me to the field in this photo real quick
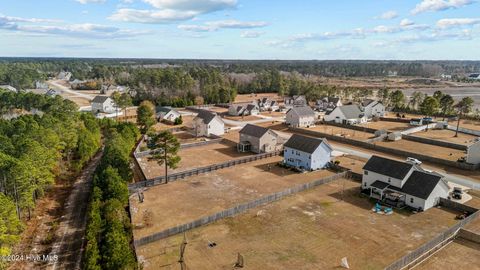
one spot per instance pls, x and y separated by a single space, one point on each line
353 163
390 126
251 97
343 132
184 201
460 254
195 157
310 230
446 135
475 125
425 149
242 118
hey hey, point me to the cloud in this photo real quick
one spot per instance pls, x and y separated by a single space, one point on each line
438 5
86 30
227 24
251 34
83 2
455 22
388 15
168 11
406 22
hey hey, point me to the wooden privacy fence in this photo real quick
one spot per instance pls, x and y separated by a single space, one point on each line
235 210
210 168
408 261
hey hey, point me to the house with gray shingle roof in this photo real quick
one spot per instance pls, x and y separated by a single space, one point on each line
243 109
307 153
295 101
328 104
259 140
398 183
206 124
300 117
166 114
373 108
103 104
347 114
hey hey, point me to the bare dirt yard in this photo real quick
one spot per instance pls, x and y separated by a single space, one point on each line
446 135
242 118
343 132
310 230
251 97
460 254
353 163
425 149
475 125
180 202
195 157
187 122
387 125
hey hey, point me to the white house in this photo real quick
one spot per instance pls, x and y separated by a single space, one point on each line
373 108
295 101
259 140
300 117
64 75
348 114
307 153
166 114
244 109
327 104
399 183
103 104
206 124
474 76
473 152
9 88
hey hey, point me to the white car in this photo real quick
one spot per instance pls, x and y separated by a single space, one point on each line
414 161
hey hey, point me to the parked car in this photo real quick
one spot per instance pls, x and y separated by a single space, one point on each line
414 161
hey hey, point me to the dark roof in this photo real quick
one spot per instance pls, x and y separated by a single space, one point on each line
380 185
160 109
254 131
251 107
206 116
388 167
421 184
367 102
303 111
305 144
100 99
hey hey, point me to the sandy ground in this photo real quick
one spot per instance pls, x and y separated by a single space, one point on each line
252 97
184 201
390 126
475 125
425 149
446 135
352 162
310 230
460 254
242 118
195 157
187 122
343 132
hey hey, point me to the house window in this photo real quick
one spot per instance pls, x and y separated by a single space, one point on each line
366 172
411 200
365 184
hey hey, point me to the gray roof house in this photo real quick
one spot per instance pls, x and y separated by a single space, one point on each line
373 108
244 109
347 114
103 104
166 114
328 104
206 124
307 153
401 183
295 101
259 140
300 117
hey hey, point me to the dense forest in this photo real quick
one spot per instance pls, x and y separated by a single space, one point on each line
43 140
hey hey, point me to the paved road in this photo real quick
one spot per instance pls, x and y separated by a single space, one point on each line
58 86
70 235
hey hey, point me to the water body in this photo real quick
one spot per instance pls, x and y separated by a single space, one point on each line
456 92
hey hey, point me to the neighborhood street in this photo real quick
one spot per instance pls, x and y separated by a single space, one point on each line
57 86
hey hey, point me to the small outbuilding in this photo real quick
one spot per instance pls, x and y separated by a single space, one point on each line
307 153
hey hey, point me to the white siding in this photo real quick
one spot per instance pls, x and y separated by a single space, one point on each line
473 154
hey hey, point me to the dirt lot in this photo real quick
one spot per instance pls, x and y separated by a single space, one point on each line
390 126
251 97
218 110
242 118
344 132
213 192
446 135
310 230
352 162
460 254
195 157
425 149
475 125
187 122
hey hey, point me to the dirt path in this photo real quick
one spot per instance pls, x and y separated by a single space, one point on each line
69 239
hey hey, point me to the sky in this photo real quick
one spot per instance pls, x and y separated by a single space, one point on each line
242 29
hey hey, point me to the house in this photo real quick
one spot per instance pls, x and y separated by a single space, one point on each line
166 114
347 114
274 106
328 104
103 104
266 104
373 108
259 140
9 88
307 153
64 75
473 152
416 122
295 101
399 183
41 85
474 76
110 89
207 124
243 109
300 117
